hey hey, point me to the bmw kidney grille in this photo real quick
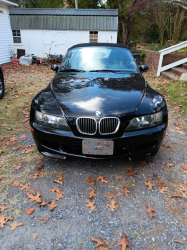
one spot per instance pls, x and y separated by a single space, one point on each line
105 126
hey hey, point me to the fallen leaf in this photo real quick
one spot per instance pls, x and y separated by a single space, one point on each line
36 198
91 181
26 186
184 166
45 219
59 196
178 126
15 224
160 184
13 139
58 182
100 177
183 189
124 242
92 194
184 172
43 203
165 145
149 185
150 211
110 196
3 207
125 191
112 207
9 129
23 137
170 165
90 204
131 173
52 205
100 242
17 166
35 236
6 105
175 196
185 182
60 177
16 184
178 241
130 168
53 190
4 219
163 190
155 177
27 151
142 162
29 211
36 175
40 167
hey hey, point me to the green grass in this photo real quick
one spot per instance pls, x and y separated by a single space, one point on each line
176 94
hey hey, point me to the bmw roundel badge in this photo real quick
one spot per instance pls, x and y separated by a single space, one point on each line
98 113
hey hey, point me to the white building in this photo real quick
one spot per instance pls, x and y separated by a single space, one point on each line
40 31
6 43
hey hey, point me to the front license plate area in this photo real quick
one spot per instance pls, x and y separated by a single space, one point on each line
96 147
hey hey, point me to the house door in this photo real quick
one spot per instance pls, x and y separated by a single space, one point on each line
55 42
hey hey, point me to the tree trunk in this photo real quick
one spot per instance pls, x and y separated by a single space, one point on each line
127 27
127 22
23 3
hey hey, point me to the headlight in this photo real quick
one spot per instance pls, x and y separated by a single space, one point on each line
51 121
146 121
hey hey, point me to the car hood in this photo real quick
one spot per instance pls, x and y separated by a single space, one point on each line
82 95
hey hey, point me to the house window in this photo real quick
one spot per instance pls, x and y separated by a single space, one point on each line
93 36
16 36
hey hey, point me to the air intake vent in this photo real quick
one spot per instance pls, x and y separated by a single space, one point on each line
86 126
109 125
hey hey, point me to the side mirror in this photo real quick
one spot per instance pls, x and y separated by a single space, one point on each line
143 68
54 67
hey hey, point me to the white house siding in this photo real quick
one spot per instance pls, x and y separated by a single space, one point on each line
39 42
6 41
107 36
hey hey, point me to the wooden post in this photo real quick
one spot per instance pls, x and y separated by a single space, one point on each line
160 63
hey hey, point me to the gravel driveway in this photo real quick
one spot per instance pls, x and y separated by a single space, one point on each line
71 224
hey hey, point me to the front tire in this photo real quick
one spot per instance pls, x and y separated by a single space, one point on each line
2 87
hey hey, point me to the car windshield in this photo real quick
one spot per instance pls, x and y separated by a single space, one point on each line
97 59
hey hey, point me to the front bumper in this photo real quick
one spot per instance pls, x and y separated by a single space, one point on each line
59 144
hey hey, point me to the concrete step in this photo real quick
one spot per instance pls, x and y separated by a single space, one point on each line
169 75
178 70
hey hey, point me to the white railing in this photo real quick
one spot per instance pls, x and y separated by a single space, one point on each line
167 51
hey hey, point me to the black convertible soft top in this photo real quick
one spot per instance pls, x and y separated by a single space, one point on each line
98 44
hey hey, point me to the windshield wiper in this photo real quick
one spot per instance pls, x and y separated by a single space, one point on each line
104 70
72 70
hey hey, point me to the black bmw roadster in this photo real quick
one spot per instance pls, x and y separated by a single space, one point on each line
98 106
